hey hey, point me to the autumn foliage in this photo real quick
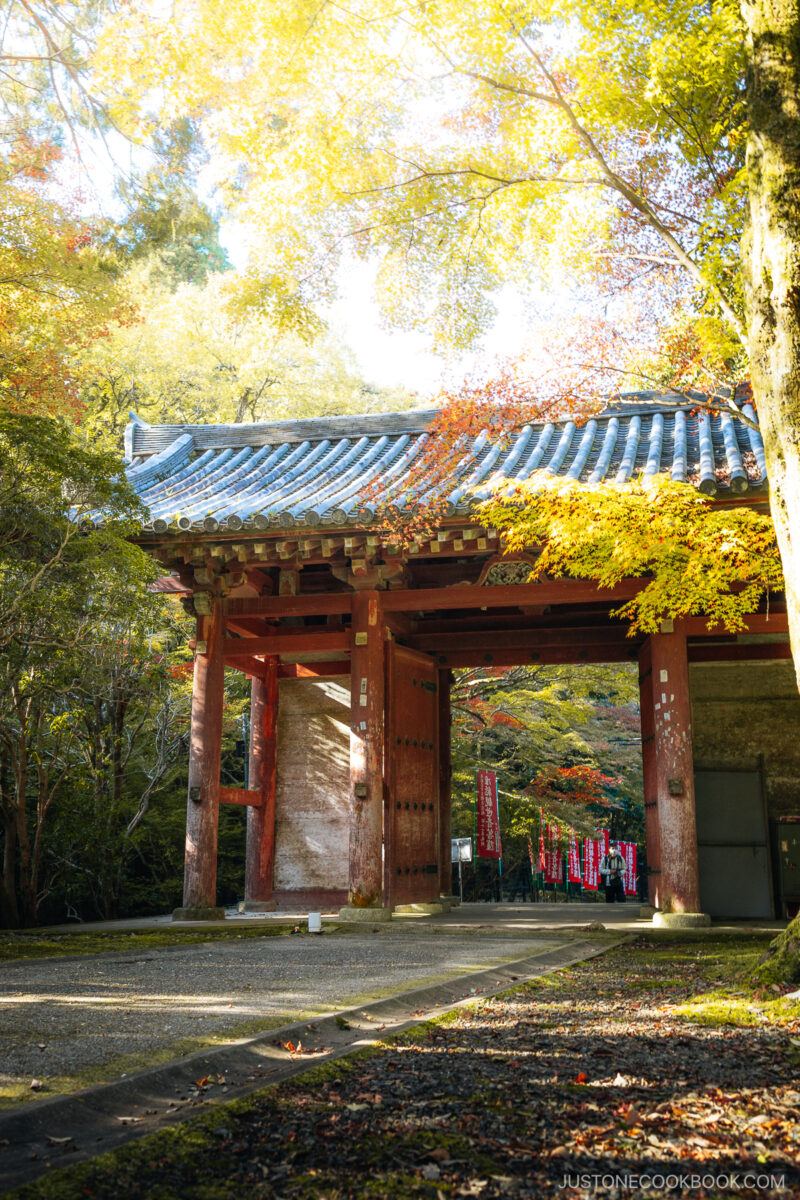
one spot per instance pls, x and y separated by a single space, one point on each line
58 295
581 785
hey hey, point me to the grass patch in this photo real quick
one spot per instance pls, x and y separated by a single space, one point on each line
41 944
726 1006
725 994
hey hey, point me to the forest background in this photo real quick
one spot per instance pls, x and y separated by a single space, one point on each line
139 310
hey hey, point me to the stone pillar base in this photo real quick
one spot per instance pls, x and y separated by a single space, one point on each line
647 910
664 920
364 915
449 902
256 906
423 909
198 914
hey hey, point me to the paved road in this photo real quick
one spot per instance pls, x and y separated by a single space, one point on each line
63 1017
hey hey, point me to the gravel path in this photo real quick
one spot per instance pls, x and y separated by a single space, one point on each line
66 1017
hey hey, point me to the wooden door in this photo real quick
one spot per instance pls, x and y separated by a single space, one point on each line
411 863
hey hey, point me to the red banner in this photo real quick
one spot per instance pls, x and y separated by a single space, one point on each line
540 867
573 860
628 851
488 818
553 860
591 864
602 837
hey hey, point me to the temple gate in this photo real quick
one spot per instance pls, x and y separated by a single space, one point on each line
264 530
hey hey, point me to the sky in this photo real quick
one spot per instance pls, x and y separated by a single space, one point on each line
386 356
401 358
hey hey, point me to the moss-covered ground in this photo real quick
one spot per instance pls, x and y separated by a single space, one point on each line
41 943
656 1059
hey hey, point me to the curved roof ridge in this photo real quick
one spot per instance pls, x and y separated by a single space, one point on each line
317 471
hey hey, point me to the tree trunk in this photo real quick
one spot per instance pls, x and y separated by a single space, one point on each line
772 266
771 251
9 909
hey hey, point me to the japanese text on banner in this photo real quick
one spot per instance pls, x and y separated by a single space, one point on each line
553 858
487 817
591 864
629 854
573 860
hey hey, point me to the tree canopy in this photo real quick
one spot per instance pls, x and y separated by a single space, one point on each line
468 147
604 145
190 357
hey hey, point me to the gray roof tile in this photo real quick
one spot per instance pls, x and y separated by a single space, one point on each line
314 472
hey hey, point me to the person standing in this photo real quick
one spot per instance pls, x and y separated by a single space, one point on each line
612 871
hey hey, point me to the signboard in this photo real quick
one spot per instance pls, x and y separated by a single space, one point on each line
591 864
487 817
461 850
628 852
573 860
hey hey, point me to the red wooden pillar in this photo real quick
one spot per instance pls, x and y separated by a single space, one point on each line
366 755
202 812
260 853
651 830
445 777
679 887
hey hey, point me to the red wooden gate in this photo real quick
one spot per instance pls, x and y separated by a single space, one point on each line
412 778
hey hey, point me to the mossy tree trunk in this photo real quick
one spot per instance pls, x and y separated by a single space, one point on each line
772 265
771 251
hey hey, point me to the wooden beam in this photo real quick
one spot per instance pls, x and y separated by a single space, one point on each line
248 627
318 604
739 652
258 579
535 639
495 619
524 657
776 621
253 667
400 625
314 670
289 641
232 795
557 591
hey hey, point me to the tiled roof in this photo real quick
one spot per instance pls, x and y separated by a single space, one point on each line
313 473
